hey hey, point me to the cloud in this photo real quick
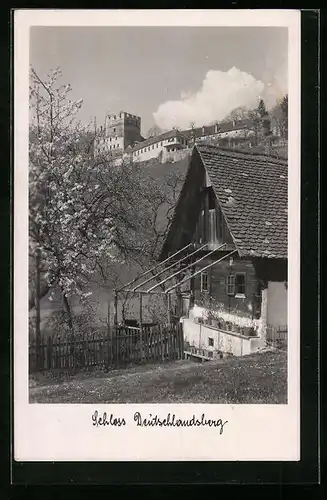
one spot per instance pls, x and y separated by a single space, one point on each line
221 92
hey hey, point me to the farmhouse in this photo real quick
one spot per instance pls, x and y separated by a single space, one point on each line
232 209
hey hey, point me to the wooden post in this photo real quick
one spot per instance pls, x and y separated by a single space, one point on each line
168 309
49 353
116 312
140 324
140 310
108 317
264 314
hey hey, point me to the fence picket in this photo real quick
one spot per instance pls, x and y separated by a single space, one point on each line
125 345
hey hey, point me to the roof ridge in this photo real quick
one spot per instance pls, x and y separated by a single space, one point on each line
235 152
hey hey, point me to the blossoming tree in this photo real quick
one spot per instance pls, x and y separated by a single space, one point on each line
70 231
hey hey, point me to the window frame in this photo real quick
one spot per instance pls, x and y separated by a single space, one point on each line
230 292
204 274
231 285
240 295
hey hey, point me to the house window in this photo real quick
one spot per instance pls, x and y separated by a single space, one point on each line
161 144
204 281
230 284
240 285
210 341
114 128
236 285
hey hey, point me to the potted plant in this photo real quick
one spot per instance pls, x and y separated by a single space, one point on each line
252 332
247 331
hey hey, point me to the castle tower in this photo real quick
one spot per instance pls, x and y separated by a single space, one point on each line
121 130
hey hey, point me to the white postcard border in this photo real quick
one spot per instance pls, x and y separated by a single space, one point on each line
65 432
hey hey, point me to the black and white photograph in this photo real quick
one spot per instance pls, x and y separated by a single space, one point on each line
158 216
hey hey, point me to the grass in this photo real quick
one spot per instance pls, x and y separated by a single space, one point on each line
254 379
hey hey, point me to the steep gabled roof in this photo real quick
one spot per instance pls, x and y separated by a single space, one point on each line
252 192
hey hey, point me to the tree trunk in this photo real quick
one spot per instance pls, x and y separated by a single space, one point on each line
37 307
43 290
69 313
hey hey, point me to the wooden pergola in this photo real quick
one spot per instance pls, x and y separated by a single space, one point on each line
134 288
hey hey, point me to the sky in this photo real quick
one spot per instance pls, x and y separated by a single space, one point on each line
170 76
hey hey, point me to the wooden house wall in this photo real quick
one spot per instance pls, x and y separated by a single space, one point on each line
217 277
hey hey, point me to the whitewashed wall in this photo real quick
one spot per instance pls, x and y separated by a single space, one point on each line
198 336
277 304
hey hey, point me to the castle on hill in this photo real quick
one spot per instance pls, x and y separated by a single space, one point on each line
121 138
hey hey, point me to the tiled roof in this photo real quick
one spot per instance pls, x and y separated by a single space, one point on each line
252 192
210 129
154 140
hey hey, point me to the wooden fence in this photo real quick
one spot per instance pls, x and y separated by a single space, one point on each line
276 336
127 345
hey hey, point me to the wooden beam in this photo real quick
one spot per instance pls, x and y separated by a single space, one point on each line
200 271
170 267
155 267
185 268
144 291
